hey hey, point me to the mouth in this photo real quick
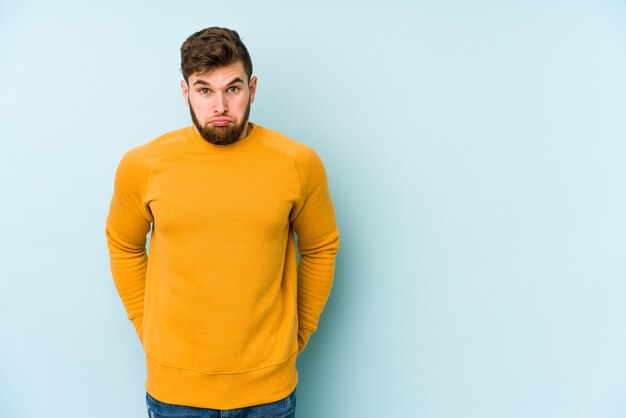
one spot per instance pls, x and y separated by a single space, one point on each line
220 121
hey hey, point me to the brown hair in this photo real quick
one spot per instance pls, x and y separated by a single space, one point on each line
212 48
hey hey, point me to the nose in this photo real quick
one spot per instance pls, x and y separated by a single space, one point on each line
220 106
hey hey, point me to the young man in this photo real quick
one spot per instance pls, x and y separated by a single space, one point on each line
220 304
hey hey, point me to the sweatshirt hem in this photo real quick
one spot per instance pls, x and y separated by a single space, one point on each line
194 388
221 372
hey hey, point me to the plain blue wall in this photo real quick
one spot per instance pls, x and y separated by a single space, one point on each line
477 157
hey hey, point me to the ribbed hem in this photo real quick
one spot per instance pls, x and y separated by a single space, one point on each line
221 391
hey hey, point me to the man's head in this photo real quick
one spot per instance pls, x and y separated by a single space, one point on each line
218 84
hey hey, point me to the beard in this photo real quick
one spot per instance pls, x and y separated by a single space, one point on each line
221 135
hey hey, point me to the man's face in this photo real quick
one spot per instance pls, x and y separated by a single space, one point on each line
219 102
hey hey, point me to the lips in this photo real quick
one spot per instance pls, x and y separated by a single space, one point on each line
220 121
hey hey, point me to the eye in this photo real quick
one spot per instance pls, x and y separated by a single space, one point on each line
233 89
204 91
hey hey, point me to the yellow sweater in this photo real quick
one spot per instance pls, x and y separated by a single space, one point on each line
220 304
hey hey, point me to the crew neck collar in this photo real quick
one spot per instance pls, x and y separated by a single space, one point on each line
244 143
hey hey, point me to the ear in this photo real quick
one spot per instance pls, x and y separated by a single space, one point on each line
185 89
252 87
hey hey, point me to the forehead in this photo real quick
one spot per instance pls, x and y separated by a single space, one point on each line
220 75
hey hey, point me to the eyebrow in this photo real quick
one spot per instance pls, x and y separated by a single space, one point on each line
205 83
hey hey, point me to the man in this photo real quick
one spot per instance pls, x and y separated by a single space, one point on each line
220 304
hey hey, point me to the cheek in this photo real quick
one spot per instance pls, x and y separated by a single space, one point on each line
199 106
240 104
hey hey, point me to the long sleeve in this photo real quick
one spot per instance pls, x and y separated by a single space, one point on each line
127 225
314 222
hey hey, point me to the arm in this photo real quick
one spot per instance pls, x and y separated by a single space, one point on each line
127 226
318 243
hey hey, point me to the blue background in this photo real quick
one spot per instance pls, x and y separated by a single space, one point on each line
477 159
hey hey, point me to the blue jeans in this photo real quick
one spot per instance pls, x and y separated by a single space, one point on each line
284 408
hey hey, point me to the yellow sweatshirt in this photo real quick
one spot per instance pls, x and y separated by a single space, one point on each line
219 301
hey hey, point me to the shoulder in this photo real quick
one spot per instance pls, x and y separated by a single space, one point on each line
160 146
143 156
301 154
308 165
